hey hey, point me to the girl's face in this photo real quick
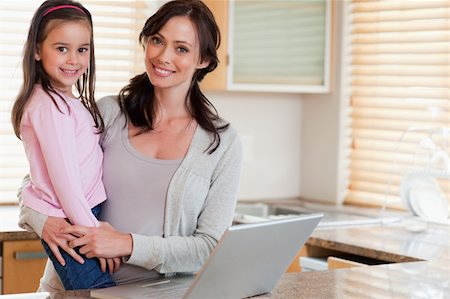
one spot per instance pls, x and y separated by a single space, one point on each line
172 55
64 53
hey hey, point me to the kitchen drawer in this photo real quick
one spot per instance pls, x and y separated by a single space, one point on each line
339 263
23 265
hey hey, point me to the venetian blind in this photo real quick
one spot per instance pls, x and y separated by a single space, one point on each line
118 57
399 96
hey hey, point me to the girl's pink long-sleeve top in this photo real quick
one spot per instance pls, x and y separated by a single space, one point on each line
65 158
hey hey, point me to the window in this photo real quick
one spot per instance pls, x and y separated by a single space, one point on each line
399 54
118 58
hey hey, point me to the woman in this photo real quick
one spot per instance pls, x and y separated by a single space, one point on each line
171 164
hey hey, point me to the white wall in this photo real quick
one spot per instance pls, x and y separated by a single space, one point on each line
291 141
270 128
323 153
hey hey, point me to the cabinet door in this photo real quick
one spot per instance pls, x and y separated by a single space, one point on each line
280 46
217 80
23 265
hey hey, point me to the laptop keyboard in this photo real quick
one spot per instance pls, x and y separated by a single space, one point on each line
166 289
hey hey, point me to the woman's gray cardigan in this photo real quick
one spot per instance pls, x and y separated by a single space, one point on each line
199 205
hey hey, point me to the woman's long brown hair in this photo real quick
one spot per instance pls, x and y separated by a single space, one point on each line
137 99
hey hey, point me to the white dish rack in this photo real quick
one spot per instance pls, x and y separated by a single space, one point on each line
420 191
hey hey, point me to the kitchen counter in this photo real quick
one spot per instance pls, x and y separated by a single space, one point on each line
402 280
419 254
393 243
405 239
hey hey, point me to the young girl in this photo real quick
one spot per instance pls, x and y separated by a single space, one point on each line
60 131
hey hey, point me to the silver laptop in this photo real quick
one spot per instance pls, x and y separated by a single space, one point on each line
248 260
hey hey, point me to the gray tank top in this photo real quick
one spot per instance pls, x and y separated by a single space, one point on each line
132 179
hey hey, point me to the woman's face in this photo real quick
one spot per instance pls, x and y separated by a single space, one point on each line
172 55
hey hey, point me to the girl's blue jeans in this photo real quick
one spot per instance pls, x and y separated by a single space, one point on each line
76 276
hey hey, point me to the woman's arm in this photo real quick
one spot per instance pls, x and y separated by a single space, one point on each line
50 232
29 219
48 228
175 253
103 241
178 253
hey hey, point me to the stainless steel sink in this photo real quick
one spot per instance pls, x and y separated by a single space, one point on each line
332 217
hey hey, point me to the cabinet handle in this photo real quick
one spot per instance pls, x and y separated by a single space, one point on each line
29 255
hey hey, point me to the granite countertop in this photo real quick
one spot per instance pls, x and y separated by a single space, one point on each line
406 240
393 243
401 280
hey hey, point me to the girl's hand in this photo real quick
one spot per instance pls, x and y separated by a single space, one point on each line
52 235
103 241
113 264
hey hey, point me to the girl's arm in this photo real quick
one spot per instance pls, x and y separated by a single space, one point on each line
55 133
48 228
31 220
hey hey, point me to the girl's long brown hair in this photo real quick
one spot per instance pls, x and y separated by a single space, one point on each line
33 72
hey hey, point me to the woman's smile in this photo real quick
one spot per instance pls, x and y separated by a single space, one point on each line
162 72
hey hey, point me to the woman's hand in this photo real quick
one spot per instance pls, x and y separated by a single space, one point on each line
103 241
112 263
52 234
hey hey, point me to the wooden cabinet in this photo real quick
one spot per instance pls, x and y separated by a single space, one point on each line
295 265
324 258
217 80
339 263
23 265
272 46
